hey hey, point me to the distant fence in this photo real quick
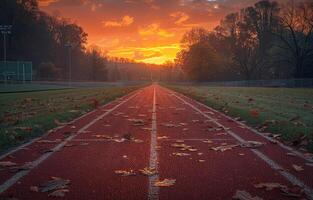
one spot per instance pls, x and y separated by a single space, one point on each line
288 83
16 71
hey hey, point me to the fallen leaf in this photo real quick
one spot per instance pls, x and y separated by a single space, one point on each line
224 147
165 183
162 137
298 168
254 113
148 171
251 144
55 184
58 193
7 164
269 186
243 195
125 172
180 154
34 188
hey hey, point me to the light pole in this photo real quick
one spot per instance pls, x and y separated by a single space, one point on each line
5 30
69 47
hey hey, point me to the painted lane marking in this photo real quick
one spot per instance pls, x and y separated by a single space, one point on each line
11 181
299 154
288 176
15 149
153 192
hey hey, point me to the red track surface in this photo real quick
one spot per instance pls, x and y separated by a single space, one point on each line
90 167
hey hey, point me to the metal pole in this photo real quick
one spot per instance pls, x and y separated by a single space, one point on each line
4 49
70 66
23 73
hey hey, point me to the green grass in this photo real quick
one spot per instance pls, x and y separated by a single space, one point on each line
291 109
36 111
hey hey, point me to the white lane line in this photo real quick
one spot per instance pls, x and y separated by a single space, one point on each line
8 183
288 176
15 149
153 193
298 153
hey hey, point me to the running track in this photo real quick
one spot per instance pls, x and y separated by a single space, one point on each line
79 152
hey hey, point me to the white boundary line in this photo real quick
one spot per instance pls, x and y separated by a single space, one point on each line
288 176
15 149
299 154
11 181
153 193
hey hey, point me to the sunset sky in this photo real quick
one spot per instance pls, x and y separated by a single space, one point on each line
144 30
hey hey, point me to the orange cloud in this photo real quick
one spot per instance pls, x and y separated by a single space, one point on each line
125 21
180 17
154 29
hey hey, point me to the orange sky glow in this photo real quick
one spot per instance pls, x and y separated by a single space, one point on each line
142 30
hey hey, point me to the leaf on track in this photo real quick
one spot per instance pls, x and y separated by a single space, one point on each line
137 122
125 172
162 137
180 154
165 183
224 147
183 147
34 188
148 171
269 186
207 141
7 164
103 136
244 195
55 184
58 193
298 168
251 144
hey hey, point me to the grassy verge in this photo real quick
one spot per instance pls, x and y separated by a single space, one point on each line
27 115
284 111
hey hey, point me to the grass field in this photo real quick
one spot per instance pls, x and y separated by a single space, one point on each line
29 114
284 111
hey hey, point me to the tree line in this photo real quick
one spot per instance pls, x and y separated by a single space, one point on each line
45 40
265 41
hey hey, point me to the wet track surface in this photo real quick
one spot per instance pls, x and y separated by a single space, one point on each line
198 147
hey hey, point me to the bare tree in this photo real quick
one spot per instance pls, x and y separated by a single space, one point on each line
296 34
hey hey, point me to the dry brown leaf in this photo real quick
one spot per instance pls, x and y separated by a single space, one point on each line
162 137
269 186
224 147
58 193
251 144
148 171
7 164
207 141
34 188
180 154
165 183
55 184
244 195
125 172
298 168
